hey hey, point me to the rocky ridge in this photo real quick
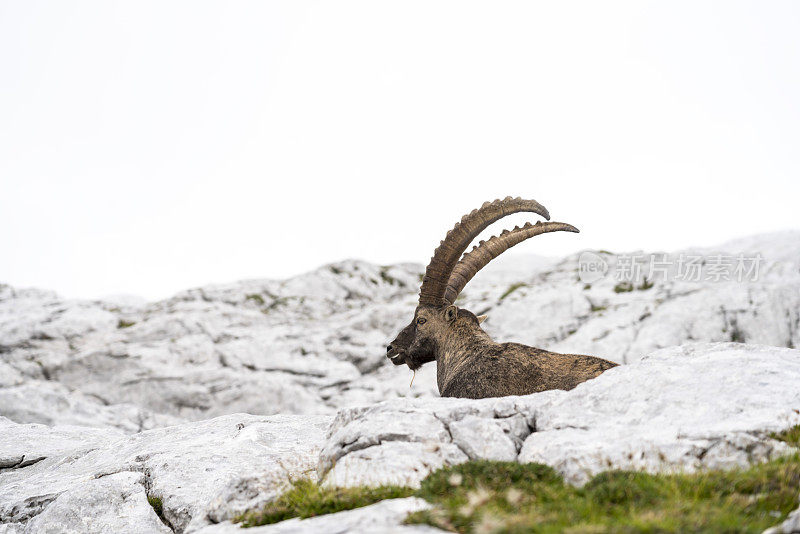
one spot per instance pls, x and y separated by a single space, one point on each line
138 399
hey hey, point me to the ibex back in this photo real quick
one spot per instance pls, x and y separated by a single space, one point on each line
468 363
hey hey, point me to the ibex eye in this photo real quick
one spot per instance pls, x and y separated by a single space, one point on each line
421 320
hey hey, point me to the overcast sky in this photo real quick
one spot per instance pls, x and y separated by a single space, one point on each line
146 147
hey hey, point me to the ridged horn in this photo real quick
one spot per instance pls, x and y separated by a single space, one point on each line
486 251
444 259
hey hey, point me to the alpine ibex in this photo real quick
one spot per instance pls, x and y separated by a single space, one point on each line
468 363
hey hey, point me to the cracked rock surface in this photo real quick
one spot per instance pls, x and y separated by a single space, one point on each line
117 400
315 343
114 503
690 407
203 472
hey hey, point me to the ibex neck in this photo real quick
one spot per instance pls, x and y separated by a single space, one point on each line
456 348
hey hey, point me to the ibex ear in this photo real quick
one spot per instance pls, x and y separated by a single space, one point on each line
482 318
451 313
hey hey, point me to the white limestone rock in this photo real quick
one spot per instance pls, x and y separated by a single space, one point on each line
52 403
23 445
403 440
691 407
686 408
204 472
315 343
792 523
9 376
482 438
379 518
108 505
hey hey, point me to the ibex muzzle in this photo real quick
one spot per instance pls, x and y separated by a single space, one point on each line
468 362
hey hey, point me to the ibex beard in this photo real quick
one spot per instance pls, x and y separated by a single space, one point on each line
468 363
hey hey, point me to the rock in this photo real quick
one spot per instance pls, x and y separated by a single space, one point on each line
791 525
314 343
695 406
382 517
203 472
52 403
690 407
263 347
482 438
111 504
22 445
9 376
132 389
401 441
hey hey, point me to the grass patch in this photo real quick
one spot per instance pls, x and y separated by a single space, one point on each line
307 499
623 287
512 288
389 279
509 497
627 287
277 303
157 504
790 436
737 336
122 323
515 498
158 507
255 297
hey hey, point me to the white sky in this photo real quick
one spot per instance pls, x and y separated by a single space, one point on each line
146 147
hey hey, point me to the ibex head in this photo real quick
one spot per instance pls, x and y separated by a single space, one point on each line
415 344
446 276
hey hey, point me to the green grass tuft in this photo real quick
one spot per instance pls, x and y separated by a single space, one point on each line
307 499
511 497
122 323
621 487
157 504
512 288
790 436
158 507
389 279
623 287
737 336
258 299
